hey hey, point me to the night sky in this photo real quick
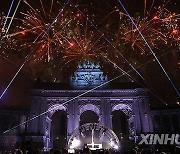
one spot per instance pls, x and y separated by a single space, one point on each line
18 93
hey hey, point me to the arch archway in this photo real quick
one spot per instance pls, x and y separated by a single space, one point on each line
58 130
122 120
92 117
90 107
56 107
56 126
91 111
120 123
123 107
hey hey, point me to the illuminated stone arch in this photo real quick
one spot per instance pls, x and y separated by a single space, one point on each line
51 110
56 107
128 111
124 108
89 107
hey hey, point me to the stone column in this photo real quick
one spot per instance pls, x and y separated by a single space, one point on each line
47 135
136 113
131 126
106 113
110 122
146 119
70 124
34 111
42 119
76 115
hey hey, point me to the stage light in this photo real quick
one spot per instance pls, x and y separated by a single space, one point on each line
116 147
112 143
75 143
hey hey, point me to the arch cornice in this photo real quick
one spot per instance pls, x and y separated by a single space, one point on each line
56 107
123 107
89 107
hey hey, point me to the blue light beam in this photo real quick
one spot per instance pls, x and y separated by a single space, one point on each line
31 53
147 44
78 96
103 35
9 11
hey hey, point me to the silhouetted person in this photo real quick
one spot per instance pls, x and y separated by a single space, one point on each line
27 146
86 149
37 151
107 151
57 152
64 151
19 151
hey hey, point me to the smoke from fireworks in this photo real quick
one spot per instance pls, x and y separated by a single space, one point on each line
72 39
160 30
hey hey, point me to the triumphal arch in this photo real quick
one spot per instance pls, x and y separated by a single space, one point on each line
90 110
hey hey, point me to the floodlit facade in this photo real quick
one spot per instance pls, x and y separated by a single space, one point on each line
88 107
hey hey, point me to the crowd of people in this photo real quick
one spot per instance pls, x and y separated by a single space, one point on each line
101 151
28 148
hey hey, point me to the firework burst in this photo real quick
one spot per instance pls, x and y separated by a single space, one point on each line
84 43
69 40
32 31
159 31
